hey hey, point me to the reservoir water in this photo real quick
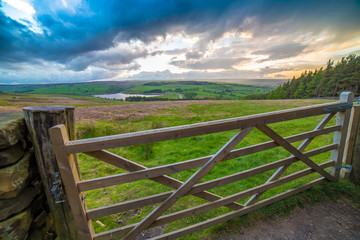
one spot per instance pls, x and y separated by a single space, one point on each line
122 95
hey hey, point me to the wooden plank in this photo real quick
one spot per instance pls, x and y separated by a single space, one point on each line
115 208
342 119
165 180
286 145
271 144
214 221
70 177
148 220
354 123
127 205
156 135
238 213
301 148
350 142
138 203
139 173
355 158
251 172
119 232
235 197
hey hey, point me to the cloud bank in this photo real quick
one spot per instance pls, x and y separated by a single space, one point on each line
73 40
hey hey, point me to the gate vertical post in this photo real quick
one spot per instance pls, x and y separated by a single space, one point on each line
354 156
38 121
351 151
342 119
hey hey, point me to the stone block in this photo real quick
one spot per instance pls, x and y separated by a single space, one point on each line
13 206
38 204
12 154
16 227
12 129
40 219
46 232
14 178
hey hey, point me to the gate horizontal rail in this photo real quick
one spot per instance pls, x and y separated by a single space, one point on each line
170 133
186 165
96 147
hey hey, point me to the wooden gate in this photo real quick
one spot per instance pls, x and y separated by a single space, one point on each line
74 186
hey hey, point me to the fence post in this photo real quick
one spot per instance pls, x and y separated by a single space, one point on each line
342 119
38 121
352 138
353 156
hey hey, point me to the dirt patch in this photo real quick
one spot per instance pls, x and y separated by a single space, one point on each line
326 220
130 111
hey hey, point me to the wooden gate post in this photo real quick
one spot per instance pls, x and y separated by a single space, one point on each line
342 119
38 121
353 153
353 138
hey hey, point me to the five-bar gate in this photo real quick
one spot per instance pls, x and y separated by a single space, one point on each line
95 147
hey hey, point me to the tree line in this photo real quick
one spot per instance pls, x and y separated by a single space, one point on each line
324 82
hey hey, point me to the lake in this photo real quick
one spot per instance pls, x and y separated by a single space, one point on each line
122 95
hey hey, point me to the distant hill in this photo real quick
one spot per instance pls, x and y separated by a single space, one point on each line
324 82
266 82
162 90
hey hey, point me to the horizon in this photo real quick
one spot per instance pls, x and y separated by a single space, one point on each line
73 41
274 81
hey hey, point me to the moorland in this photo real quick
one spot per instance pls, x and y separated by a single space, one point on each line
100 117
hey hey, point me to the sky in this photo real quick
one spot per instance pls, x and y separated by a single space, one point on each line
56 41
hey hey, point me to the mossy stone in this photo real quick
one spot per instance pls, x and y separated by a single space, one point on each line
12 206
16 227
14 178
45 232
12 129
12 154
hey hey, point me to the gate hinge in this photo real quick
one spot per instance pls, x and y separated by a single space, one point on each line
56 189
348 167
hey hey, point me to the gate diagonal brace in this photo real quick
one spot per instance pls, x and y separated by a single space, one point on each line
290 148
301 148
186 187
131 166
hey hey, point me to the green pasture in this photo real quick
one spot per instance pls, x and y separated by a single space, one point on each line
167 152
203 90
169 89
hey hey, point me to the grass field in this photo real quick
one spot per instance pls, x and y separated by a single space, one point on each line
156 154
199 90
101 117
169 89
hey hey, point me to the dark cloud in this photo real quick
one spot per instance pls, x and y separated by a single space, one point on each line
77 37
270 70
282 51
97 26
108 59
194 54
216 63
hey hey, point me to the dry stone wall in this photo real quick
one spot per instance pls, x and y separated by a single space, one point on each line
24 213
